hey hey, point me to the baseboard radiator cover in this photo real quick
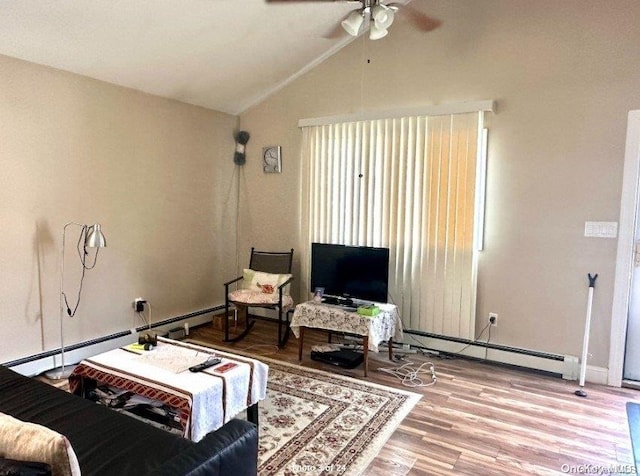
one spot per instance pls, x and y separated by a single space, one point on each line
74 353
566 366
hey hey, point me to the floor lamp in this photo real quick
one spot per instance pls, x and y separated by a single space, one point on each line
90 237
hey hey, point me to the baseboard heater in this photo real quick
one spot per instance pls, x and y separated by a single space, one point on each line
42 361
561 365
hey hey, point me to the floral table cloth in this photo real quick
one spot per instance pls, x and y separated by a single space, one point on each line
379 328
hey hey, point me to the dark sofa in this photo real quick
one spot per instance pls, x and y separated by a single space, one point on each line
109 443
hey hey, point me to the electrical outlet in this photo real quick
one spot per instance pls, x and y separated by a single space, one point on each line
493 319
138 304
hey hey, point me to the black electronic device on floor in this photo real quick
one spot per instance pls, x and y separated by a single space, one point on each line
344 358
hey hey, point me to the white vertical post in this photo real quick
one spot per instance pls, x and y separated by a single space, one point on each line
585 342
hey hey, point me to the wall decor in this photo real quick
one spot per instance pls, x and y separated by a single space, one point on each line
272 159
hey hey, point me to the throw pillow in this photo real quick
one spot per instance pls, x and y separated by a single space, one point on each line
264 282
26 441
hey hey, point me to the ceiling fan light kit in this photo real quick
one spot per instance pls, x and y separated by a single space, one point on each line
380 17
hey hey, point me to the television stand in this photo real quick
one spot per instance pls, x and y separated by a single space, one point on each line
383 327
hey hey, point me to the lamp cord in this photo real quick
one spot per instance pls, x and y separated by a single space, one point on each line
482 331
82 253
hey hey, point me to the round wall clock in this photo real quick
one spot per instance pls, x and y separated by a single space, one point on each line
271 159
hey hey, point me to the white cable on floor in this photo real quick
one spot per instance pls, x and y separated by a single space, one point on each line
411 376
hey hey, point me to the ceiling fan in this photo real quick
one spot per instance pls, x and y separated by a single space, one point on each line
380 16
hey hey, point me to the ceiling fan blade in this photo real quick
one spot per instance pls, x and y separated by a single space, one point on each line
420 20
336 32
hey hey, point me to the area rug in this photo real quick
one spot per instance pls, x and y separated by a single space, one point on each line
316 422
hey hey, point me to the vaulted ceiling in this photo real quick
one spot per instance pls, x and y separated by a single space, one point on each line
221 54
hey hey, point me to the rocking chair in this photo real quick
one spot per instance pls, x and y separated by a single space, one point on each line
265 284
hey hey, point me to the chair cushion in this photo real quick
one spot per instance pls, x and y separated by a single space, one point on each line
264 282
248 296
27 441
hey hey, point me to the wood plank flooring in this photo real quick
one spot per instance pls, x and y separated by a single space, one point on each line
480 418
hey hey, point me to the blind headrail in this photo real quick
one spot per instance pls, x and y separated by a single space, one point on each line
432 110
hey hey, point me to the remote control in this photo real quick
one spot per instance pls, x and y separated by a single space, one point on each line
206 364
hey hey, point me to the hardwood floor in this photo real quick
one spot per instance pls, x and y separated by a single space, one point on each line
480 418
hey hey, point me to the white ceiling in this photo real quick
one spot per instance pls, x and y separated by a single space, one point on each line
221 54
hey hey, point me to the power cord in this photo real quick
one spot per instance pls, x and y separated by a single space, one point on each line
475 341
486 349
82 253
466 346
147 321
410 376
140 315
150 321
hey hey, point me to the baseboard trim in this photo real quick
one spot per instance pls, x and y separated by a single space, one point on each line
42 361
566 366
597 375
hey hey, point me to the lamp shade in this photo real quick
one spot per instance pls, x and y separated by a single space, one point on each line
353 22
376 32
382 16
95 238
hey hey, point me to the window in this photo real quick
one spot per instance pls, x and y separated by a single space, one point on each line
410 184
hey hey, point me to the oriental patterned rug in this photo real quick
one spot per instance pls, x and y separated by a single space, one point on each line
316 422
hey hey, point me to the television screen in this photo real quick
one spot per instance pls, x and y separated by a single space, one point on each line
358 272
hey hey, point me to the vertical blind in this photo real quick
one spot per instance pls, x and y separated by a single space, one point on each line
408 184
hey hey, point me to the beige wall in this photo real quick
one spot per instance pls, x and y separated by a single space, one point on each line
564 75
155 173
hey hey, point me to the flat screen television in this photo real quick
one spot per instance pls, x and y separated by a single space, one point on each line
352 272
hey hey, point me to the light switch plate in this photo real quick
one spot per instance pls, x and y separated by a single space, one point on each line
601 229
